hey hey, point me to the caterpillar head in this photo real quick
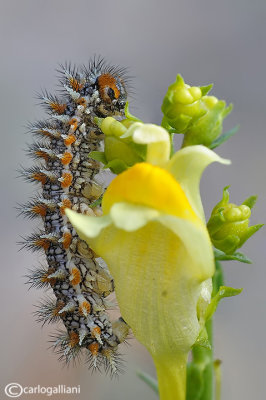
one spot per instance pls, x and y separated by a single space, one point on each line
112 93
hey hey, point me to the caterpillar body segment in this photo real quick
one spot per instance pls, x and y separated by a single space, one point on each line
66 175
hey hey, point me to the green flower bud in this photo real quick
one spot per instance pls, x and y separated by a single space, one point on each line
208 127
182 105
228 225
190 111
119 152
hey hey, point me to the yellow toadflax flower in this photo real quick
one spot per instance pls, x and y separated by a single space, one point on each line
154 240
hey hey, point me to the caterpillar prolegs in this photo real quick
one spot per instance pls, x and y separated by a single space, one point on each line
66 174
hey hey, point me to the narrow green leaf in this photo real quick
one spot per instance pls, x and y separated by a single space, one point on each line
224 137
151 382
221 256
224 291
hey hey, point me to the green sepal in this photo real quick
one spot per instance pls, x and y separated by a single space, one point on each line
224 291
221 256
150 381
195 381
180 122
250 231
224 137
140 150
207 128
98 156
203 340
216 222
129 116
250 201
228 245
206 89
116 166
168 127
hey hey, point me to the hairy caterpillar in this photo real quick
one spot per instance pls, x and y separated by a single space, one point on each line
66 174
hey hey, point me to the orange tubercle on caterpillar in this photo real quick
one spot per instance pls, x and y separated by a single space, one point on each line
45 277
59 306
66 179
67 239
66 158
73 339
94 348
58 108
40 177
75 277
42 154
66 203
70 139
106 82
73 124
85 308
43 243
82 102
96 333
75 84
40 209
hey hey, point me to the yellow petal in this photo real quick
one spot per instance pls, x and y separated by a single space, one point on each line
151 186
155 137
187 166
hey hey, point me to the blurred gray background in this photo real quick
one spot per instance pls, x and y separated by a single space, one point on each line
206 41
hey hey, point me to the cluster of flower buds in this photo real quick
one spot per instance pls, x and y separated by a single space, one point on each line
119 152
228 225
188 110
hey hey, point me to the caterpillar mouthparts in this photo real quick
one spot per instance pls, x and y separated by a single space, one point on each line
80 283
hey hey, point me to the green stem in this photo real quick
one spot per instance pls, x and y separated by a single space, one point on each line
204 357
171 373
